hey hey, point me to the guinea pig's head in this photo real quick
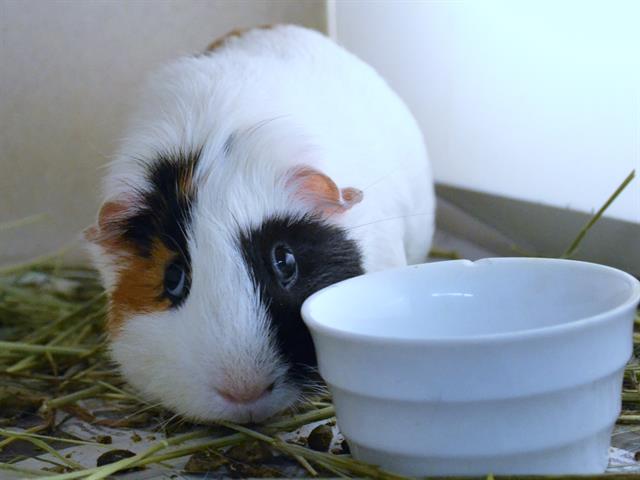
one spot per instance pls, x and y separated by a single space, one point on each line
207 261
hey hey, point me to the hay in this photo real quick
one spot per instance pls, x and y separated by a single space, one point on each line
53 363
53 366
52 359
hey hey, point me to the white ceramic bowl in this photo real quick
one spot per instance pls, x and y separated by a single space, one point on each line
504 365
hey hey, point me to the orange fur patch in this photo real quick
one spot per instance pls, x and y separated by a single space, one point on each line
186 185
140 269
237 32
139 285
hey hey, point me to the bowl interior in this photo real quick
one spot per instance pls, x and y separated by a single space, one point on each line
462 298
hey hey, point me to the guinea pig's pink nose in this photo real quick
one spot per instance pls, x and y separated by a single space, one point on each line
245 393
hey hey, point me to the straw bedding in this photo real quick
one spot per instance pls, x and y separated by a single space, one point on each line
66 413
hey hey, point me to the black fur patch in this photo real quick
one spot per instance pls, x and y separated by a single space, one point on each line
165 212
324 256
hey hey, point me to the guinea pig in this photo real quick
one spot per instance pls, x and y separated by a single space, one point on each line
251 176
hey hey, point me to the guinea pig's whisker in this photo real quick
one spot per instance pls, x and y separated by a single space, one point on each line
371 185
163 425
388 219
384 177
261 124
311 388
143 409
318 390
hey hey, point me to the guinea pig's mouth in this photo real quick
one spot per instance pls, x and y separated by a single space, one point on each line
308 378
247 397
247 414
254 404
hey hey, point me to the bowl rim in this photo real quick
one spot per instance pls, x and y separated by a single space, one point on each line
540 332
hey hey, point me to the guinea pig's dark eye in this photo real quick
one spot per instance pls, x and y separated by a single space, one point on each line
284 264
175 282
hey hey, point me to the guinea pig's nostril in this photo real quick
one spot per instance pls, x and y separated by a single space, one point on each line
245 394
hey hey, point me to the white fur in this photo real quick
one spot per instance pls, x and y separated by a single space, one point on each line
290 97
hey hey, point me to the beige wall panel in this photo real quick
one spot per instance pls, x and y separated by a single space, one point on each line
68 71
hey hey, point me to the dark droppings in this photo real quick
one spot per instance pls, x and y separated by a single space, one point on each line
205 462
113 456
241 461
250 452
104 439
320 438
244 470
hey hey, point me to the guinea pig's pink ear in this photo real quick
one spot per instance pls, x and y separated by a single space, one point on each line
321 193
106 230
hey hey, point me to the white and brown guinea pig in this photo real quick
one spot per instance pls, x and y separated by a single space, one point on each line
250 177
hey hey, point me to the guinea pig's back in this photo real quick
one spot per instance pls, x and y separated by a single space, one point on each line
361 133
365 135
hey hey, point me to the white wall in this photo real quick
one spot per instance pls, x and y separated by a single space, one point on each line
68 70
535 100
